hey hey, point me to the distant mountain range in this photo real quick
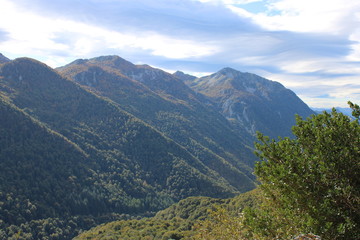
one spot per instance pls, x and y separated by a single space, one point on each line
346 111
101 139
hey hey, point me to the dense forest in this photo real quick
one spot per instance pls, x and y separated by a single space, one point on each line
310 190
180 221
103 139
126 166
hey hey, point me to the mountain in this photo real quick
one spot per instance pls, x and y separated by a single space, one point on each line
252 102
203 132
155 79
118 163
3 59
183 76
103 139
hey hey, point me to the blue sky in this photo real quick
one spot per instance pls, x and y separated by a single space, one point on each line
311 47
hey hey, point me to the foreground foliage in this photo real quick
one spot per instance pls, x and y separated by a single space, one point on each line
311 183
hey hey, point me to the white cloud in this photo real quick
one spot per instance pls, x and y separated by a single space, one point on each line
355 37
173 48
330 16
31 34
23 31
230 2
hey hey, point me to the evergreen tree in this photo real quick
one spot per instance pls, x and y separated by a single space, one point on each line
311 183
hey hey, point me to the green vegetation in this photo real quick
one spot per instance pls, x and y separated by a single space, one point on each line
312 182
43 177
71 160
309 185
180 221
140 229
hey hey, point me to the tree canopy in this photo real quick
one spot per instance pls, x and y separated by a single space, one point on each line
311 183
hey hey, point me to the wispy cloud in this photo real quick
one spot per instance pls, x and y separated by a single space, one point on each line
312 47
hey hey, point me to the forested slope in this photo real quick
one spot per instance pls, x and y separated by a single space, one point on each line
180 221
43 176
133 167
202 131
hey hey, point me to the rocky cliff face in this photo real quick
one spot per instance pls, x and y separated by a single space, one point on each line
252 102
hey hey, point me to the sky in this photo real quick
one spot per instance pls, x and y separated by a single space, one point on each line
310 46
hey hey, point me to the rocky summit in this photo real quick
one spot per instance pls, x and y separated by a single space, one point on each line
252 102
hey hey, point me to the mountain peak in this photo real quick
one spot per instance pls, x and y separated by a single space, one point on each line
28 72
228 70
113 61
28 62
183 76
3 59
244 79
79 61
252 102
108 58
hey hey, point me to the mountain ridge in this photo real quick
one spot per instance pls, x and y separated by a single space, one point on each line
251 101
178 120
